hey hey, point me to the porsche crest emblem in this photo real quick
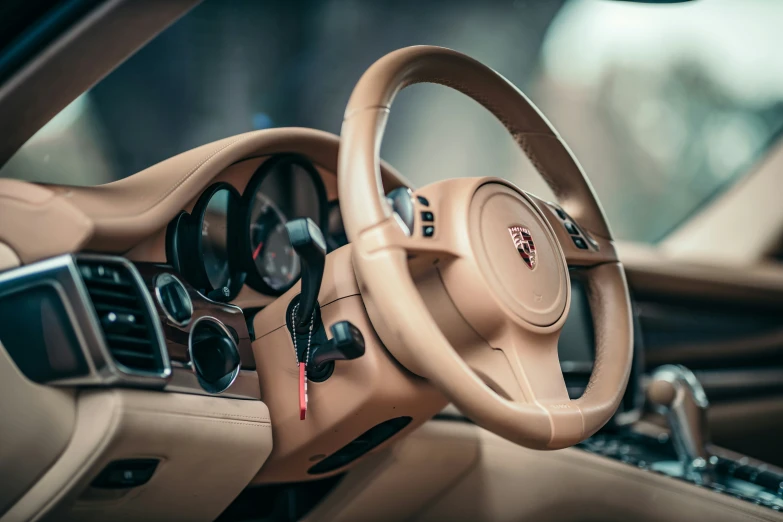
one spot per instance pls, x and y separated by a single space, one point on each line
523 240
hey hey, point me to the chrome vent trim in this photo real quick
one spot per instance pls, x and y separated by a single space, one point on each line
125 316
64 275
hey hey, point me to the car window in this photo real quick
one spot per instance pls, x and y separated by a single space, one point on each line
663 105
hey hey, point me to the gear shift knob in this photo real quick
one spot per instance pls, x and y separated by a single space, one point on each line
676 393
308 242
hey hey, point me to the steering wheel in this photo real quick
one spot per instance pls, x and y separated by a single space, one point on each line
501 259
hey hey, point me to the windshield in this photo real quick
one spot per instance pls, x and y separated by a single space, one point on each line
663 105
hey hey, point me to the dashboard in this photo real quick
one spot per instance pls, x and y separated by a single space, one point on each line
155 283
144 295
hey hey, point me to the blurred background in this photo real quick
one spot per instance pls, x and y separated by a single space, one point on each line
663 105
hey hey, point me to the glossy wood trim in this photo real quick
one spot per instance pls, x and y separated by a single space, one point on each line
246 385
177 336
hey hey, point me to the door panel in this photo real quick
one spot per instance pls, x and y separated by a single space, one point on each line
726 325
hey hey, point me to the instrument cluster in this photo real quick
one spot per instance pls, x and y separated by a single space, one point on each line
231 239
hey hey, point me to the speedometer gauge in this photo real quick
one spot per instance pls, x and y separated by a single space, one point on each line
284 187
274 258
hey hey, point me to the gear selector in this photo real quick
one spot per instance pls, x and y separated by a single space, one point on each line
308 242
677 394
313 349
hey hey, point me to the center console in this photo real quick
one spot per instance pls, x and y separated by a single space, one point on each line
729 474
684 452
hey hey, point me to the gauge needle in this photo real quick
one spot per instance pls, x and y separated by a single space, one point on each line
257 250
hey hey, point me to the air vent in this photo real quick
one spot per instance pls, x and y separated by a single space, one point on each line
120 304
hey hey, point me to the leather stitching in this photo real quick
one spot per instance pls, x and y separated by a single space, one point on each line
595 298
196 169
521 138
203 418
204 415
190 173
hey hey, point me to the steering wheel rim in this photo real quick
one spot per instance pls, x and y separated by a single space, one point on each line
483 226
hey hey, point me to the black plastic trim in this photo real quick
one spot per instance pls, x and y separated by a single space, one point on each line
126 474
184 244
174 233
361 445
41 33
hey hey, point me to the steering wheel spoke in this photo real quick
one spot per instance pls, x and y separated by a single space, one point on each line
523 368
392 233
433 230
533 365
580 247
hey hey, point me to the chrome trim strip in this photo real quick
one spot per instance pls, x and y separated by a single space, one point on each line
57 273
179 364
228 305
62 274
235 372
157 283
245 385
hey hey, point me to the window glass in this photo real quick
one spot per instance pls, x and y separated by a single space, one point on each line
664 105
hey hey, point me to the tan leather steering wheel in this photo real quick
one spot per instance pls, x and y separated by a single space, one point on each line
502 259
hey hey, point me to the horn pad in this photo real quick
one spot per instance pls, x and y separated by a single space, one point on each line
518 254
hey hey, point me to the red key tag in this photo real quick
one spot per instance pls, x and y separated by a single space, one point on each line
302 392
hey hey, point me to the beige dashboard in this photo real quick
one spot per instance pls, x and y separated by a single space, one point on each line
205 443
116 217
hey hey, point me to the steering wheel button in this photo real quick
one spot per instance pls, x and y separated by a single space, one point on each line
428 231
571 228
579 242
423 201
427 216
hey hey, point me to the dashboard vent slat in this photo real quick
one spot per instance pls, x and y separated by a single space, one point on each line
106 283
125 320
116 339
101 307
112 295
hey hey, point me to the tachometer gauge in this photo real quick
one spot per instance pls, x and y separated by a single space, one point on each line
284 187
274 258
